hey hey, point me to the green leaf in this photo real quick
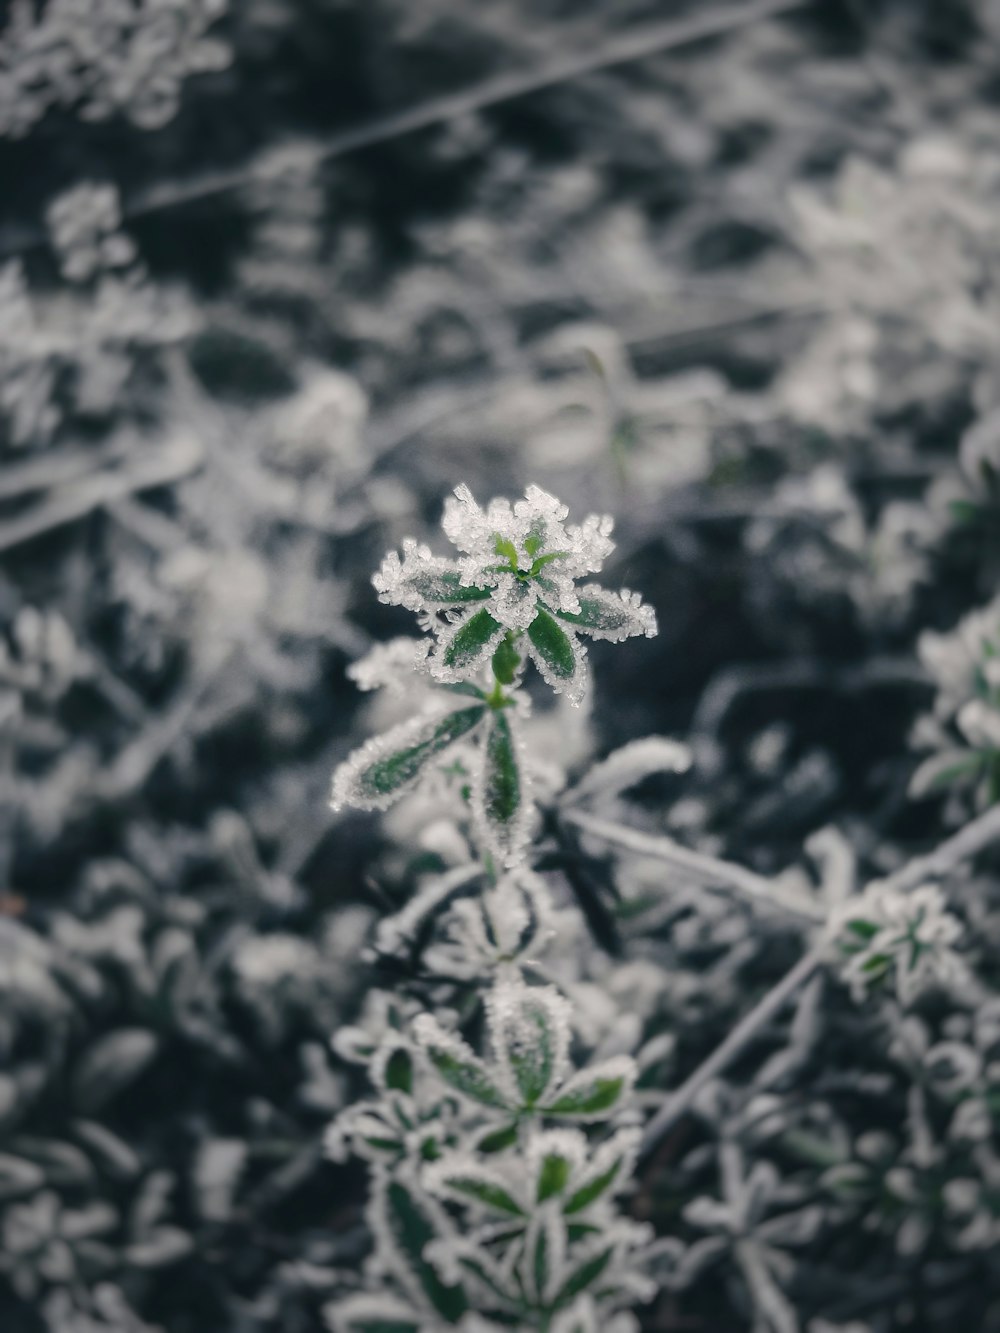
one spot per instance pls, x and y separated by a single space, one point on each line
383 1326
468 644
863 929
399 1071
538 565
533 541
593 1189
384 1145
445 588
465 687
585 1276
532 1053
552 645
965 511
505 547
392 772
480 1271
501 779
580 1231
506 660
483 1190
552 1177
498 1139
540 1260
412 1232
465 1076
593 1092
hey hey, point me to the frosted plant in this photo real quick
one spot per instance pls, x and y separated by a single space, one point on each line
963 730
903 937
517 575
491 1206
103 57
757 1220
496 1153
513 593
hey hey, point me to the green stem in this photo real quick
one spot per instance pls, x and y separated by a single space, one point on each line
496 698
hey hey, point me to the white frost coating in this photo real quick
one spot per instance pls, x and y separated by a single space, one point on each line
507 842
912 930
623 615
529 1029
517 559
625 767
619 1069
347 788
508 922
434 1039
574 687
345 1316
962 732
398 930
390 666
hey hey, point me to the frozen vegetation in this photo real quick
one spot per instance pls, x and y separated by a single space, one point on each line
644 976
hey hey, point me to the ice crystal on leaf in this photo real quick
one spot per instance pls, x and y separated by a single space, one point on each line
511 596
963 729
529 1070
484 1216
517 575
907 937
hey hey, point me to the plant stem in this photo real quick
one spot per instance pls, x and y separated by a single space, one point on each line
710 868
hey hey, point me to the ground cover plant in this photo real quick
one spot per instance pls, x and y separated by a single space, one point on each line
641 980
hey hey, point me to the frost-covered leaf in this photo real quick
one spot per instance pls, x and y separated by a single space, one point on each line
529 1033
466 648
461 1178
595 1092
627 766
404 1217
112 1152
386 766
457 1064
609 1166
556 654
610 615
422 581
157 1249
499 800
18 1176
585 1275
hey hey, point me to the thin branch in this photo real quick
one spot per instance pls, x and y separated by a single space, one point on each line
641 41
711 868
745 1030
944 859
649 39
159 467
